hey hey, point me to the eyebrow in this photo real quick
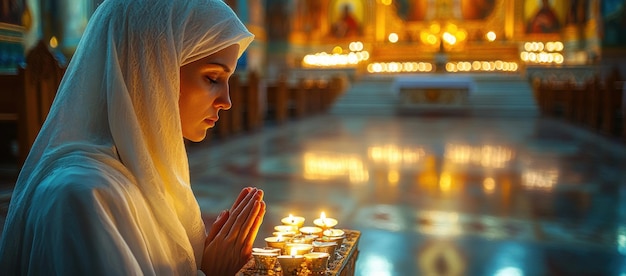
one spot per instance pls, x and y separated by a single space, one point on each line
226 68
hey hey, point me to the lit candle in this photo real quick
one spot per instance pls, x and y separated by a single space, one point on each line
275 242
290 264
293 221
286 235
311 230
284 228
325 222
298 248
334 233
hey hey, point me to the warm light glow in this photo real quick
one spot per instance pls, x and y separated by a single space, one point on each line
399 67
449 38
323 216
542 53
294 251
387 2
393 176
486 156
442 223
489 185
393 37
337 50
54 42
491 36
324 166
435 28
445 182
543 179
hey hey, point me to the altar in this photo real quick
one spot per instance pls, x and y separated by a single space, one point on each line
432 93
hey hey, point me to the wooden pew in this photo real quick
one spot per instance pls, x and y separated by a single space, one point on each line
278 100
611 101
297 100
253 113
592 103
27 96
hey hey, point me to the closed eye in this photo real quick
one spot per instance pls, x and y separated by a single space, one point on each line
212 80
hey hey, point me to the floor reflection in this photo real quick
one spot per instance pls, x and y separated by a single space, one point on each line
437 196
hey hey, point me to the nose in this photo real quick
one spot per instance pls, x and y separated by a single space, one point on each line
223 100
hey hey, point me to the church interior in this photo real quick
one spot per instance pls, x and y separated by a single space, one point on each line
457 137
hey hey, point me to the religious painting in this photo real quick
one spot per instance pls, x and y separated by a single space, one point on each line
614 17
477 9
411 10
347 18
11 11
544 16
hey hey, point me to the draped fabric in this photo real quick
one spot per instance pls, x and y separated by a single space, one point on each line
105 188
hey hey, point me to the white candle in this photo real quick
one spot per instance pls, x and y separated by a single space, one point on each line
325 222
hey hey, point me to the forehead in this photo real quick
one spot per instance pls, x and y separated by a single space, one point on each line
226 57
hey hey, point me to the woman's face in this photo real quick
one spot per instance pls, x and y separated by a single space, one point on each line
204 91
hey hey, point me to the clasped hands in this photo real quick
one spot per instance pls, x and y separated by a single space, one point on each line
228 246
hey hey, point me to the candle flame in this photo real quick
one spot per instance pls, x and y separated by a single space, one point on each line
292 219
294 251
279 237
323 216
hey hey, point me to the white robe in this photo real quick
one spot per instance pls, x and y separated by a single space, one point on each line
105 188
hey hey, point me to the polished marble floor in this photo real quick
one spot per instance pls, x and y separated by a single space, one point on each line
436 195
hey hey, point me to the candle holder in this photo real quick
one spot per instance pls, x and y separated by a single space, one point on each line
325 223
276 242
317 262
290 264
338 240
286 235
298 248
264 261
334 233
285 228
308 239
293 221
267 250
326 247
311 230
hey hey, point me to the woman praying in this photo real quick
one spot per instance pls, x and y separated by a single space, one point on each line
105 189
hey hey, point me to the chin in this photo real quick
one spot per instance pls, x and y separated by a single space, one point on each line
196 138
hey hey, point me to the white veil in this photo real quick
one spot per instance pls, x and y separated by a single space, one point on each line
118 101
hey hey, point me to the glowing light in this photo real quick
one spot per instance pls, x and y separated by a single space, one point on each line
509 271
491 36
376 265
337 50
528 47
449 38
540 179
324 166
54 42
621 239
387 2
489 185
393 177
393 37
435 28
558 46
